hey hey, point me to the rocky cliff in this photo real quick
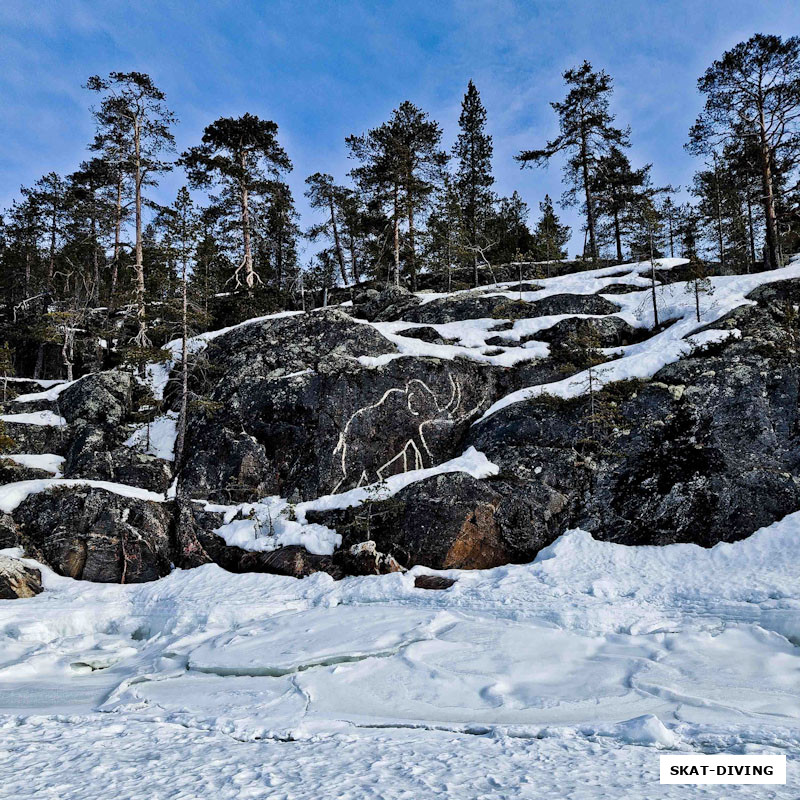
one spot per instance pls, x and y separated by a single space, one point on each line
465 430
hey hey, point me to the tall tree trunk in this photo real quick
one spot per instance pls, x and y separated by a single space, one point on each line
697 299
769 197
671 237
351 246
249 273
719 217
617 235
180 439
750 230
589 198
412 256
396 235
337 243
95 257
653 276
117 243
51 262
141 337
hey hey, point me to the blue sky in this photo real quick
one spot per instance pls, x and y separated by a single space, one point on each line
323 70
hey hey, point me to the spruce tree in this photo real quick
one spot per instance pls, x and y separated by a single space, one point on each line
550 236
473 153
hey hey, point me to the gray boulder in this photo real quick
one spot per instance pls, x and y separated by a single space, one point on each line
18 580
9 533
103 398
390 304
95 535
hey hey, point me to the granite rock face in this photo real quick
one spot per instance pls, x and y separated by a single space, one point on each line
306 405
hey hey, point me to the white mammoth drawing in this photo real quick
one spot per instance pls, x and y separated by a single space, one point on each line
420 408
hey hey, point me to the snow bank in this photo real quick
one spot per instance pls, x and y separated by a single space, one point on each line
644 359
35 418
592 657
49 394
162 433
46 461
12 494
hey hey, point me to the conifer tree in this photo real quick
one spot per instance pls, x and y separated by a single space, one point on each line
133 114
473 153
446 230
420 161
616 184
669 214
586 133
49 197
186 227
401 163
378 178
242 154
92 216
508 234
550 236
754 91
325 195
277 233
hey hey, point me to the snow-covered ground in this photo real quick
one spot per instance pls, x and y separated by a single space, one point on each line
566 677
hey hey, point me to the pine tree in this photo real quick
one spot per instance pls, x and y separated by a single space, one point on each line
507 231
379 181
325 195
721 209
277 232
186 222
49 197
754 90
550 236
22 257
355 229
699 283
420 161
401 163
669 214
133 114
92 217
587 133
473 153
241 154
446 230
615 186
646 230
